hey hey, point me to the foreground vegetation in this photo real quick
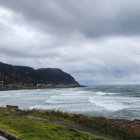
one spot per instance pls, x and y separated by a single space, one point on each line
30 129
117 129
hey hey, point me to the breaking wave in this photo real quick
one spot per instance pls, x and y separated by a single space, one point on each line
104 93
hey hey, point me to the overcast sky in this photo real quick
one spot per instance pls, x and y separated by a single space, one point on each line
97 41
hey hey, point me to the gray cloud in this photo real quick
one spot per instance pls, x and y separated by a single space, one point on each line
94 40
89 17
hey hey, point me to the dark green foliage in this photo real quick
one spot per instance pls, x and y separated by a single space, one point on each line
26 75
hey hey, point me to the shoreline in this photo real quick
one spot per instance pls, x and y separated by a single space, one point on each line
53 110
45 87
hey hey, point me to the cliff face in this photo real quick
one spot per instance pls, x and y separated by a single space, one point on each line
26 75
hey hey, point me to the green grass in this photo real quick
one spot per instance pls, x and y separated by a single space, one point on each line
102 126
30 129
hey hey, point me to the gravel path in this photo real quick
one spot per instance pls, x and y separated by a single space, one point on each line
69 124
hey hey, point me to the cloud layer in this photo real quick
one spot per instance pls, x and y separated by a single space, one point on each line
95 40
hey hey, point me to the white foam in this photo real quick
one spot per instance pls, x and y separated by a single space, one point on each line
104 93
72 100
38 107
108 105
66 100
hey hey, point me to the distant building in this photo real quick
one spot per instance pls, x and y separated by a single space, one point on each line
40 85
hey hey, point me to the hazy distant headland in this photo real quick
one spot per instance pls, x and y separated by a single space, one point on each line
23 77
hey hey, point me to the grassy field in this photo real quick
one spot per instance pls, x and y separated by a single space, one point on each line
30 129
117 129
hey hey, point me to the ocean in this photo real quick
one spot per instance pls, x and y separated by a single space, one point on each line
114 101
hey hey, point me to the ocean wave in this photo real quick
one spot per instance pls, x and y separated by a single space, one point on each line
104 93
43 107
108 105
35 107
51 101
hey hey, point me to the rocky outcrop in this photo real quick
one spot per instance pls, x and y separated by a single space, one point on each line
8 135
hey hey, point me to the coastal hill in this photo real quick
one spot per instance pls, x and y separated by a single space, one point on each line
23 75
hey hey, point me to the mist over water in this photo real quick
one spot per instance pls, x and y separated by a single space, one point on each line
108 101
